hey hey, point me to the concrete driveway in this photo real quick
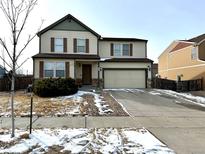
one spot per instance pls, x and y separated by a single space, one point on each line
176 122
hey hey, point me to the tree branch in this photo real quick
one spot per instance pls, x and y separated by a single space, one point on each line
5 47
5 8
31 5
5 62
28 41
22 63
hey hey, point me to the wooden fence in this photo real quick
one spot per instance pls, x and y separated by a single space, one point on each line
20 83
180 86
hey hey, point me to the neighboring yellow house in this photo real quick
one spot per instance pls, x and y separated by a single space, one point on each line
185 58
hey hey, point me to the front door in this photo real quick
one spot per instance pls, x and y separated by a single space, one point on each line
86 74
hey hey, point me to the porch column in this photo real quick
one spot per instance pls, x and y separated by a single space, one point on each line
75 71
72 69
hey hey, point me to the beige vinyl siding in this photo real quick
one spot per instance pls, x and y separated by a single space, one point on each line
37 61
181 58
70 35
139 50
124 79
163 58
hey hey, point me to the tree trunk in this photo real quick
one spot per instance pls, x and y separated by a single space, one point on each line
12 105
13 82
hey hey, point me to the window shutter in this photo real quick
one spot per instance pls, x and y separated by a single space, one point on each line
41 63
52 44
131 48
67 69
87 45
74 45
64 44
111 49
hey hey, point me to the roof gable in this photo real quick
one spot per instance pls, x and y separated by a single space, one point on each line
180 45
68 23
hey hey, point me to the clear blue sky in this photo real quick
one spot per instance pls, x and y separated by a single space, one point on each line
159 21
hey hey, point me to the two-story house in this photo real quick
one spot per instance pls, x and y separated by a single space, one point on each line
184 58
69 48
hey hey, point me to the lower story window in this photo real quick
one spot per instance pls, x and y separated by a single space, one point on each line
60 69
54 69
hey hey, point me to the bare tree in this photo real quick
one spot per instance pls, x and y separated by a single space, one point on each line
3 56
16 12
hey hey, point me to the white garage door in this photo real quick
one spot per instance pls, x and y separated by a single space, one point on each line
124 79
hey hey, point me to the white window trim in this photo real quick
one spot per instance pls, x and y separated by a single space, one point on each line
194 53
54 69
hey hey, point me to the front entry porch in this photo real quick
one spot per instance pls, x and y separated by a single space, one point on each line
86 72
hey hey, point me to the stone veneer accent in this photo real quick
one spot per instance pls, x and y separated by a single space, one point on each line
94 82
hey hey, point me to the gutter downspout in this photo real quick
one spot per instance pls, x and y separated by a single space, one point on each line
98 64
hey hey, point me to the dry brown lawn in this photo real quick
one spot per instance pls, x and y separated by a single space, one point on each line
57 106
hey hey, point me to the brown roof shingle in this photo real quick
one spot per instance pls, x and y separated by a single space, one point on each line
180 45
66 56
122 39
197 39
127 60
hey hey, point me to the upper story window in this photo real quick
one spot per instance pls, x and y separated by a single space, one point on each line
194 53
122 49
117 50
58 47
125 50
54 69
81 45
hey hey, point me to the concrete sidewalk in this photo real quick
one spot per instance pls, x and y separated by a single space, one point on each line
72 122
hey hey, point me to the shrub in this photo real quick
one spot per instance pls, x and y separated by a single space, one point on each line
55 87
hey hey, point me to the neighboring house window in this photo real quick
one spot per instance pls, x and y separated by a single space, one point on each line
58 45
81 45
54 69
194 53
121 50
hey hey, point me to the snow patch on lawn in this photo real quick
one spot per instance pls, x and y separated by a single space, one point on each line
99 103
100 140
154 93
185 96
126 90
145 141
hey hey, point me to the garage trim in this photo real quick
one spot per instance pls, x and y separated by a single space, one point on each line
136 69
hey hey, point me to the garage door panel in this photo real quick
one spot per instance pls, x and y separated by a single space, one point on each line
124 79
